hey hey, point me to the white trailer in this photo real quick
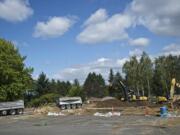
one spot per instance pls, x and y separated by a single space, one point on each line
11 108
70 102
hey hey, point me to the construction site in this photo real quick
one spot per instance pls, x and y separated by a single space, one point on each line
108 115
89 67
105 116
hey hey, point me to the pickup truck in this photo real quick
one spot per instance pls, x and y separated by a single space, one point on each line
70 102
11 108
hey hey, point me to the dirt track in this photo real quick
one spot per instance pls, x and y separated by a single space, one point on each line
88 125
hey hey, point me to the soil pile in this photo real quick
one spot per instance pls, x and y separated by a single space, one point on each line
118 103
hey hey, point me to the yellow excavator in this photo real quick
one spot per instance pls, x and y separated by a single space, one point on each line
129 95
173 96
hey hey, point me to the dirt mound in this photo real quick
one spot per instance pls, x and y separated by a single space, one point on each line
118 103
177 103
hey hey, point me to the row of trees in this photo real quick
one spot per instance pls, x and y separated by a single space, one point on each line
143 75
149 77
139 74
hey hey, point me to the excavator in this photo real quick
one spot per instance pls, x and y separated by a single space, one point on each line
130 95
173 94
172 90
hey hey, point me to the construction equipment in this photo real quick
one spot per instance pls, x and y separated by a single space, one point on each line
172 90
130 95
70 102
174 97
161 99
12 108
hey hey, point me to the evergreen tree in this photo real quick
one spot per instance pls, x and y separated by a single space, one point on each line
42 84
94 85
117 90
111 76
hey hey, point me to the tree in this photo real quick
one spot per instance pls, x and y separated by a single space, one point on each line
42 86
166 68
15 78
131 70
76 83
145 74
139 74
116 89
53 86
94 85
63 87
111 79
75 91
111 76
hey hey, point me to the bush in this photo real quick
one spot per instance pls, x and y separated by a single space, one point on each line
76 91
43 100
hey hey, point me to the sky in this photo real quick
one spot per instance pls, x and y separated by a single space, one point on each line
67 39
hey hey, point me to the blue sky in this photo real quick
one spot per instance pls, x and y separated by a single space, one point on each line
67 39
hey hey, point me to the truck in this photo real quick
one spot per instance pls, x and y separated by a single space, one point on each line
70 102
11 108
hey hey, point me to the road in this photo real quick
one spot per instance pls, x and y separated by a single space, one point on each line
87 125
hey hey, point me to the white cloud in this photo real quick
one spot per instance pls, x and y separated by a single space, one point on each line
101 65
159 16
136 52
173 49
100 28
54 27
99 16
15 10
141 42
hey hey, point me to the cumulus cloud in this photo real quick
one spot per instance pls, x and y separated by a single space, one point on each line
15 10
141 42
101 65
99 27
99 16
54 27
173 49
159 16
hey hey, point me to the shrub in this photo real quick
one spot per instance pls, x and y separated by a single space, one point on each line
43 100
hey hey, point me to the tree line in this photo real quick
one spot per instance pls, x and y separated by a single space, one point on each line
142 74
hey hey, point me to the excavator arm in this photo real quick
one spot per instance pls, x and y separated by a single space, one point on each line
125 91
173 85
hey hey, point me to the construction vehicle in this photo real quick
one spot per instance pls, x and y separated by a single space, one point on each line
174 97
70 102
11 108
130 95
161 99
174 84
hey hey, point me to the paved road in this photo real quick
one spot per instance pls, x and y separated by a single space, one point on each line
85 125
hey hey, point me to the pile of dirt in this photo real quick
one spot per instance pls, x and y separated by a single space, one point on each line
140 111
177 104
118 103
